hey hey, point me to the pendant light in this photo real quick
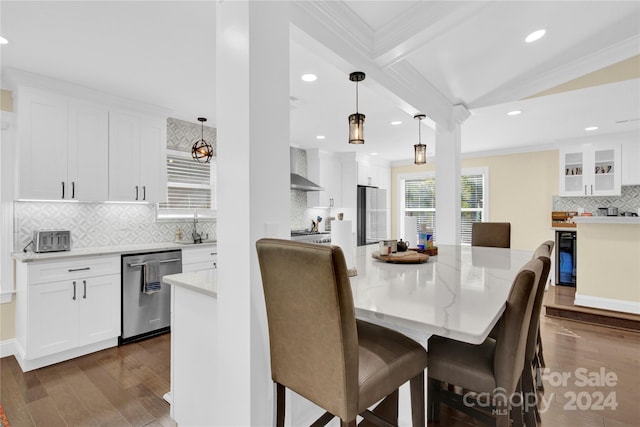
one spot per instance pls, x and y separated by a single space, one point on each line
356 121
420 157
202 151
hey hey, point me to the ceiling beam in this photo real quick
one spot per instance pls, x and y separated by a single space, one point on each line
337 27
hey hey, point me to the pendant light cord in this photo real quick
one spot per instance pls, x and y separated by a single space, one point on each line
357 84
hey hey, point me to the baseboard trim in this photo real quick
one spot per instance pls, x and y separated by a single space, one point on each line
7 347
31 364
607 304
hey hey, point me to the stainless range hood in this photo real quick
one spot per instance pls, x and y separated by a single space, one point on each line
299 182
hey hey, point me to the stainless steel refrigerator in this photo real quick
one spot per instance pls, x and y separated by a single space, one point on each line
372 215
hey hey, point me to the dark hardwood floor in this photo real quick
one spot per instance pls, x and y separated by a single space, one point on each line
123 386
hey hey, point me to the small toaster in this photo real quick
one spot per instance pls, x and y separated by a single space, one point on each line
51 240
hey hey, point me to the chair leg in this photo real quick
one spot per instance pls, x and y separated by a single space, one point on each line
279 405
540 355
416 385
530 400
348 423
515 412
433 401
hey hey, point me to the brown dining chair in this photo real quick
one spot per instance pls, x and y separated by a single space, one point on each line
489 373
320 351
531 363
491 234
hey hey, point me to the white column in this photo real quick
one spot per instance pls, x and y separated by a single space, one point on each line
448 143
252 103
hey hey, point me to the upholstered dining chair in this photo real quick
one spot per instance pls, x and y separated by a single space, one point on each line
531 363
488 373
319 350
539 359
492 234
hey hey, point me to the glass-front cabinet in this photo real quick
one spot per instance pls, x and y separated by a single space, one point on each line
590 170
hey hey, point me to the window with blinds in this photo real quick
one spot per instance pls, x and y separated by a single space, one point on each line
419 200
189 184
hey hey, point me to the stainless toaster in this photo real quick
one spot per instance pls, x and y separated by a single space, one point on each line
51 240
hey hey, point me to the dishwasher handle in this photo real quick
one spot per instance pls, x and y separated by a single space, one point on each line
164 261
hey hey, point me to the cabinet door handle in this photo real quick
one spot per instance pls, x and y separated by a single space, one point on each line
84 284
73 189
136 192
62 189
144 192
78 269
592 189
585 189
215 265
74 290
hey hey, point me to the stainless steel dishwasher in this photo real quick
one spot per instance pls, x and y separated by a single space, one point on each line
146 314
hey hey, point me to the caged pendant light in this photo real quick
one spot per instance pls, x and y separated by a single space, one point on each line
202 151
420 156
356 120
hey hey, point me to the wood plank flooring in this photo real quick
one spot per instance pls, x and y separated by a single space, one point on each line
123 386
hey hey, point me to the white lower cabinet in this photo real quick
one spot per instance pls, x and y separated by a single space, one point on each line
196 258
69 317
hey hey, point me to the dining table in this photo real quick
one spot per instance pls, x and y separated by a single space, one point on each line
460 293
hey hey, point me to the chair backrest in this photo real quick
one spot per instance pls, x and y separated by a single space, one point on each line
492 234
313 337
511 342
543 253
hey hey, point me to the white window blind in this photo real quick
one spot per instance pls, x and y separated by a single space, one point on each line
189 184
419 200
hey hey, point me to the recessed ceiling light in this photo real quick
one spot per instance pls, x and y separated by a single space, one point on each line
536 35
320 137
374 154
590 128
396 123
309 77
3 40
514 113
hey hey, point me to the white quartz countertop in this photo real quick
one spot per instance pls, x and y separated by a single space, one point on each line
606 220
459 294
204 281
30 256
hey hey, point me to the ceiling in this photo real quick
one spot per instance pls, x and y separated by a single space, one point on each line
439 58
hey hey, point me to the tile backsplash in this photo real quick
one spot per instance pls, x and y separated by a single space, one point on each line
628 201
100 224
300 214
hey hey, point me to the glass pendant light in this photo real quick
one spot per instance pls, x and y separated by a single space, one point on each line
356 120
202 151
420 157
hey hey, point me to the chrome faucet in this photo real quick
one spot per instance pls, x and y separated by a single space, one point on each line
197 238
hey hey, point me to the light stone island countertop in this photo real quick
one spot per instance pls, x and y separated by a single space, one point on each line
203 281
606 219
30 256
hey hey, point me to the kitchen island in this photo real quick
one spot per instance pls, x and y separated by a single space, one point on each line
608 270
194 317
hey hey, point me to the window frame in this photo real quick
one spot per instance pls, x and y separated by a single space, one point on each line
484 171
173 214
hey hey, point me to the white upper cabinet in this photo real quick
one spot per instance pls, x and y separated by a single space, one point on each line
137 149
631 163
373 175
325 169
88 166
74 143
62 148
591 170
